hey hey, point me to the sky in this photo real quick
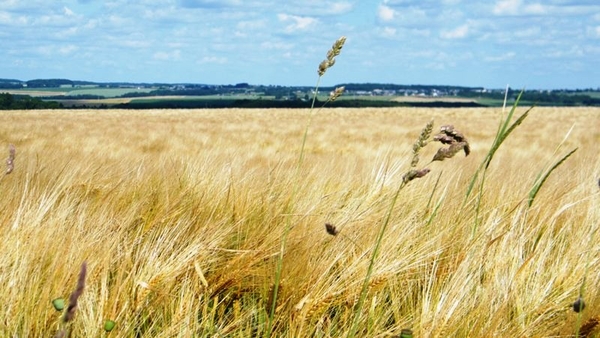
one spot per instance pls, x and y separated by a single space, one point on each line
537 44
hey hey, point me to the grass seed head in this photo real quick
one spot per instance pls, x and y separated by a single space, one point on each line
444 153
421 143
589 326
70 314
331 54
336 93
456 141
331 229
578 305
412 174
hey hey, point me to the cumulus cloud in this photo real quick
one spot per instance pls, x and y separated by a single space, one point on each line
114 35
340 7
385 13
388 32
297 23
459 32
68 11
210 4
516 7
316 8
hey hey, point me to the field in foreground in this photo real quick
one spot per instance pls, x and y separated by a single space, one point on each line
180 216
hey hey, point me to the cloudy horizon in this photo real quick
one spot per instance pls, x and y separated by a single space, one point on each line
551 44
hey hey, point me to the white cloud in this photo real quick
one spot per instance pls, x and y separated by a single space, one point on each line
388 32
507 7
9 20
69 49
340 7
298 23
213 59
516 7
276 45
500 58
385 13
317 7
68 11
459 32
168 56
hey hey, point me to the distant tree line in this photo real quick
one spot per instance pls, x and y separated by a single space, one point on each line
16 102
49 83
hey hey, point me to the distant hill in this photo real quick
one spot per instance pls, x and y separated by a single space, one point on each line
80 94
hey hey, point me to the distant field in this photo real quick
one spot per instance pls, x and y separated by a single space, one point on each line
181 214
109 92
103 92
36 92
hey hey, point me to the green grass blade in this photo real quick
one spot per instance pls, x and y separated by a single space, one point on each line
542 179
503 131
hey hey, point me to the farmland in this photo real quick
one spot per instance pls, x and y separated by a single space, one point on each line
70 94
181 217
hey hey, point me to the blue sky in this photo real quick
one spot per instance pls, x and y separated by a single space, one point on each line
541 44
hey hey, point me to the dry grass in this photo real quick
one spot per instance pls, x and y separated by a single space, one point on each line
179 215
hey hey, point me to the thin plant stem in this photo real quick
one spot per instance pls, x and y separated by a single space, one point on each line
365 284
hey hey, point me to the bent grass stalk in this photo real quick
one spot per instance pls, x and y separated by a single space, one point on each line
323 66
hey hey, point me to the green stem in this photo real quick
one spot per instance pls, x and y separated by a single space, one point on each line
365 285
289 212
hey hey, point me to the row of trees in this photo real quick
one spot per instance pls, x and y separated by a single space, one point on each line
10 102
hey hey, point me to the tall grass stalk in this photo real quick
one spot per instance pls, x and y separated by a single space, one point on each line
375 252
421 142
542 177
289 210
504 130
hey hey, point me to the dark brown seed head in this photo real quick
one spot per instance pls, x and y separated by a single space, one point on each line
331 229
578 305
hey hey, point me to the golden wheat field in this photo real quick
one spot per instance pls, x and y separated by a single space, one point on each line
184 218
